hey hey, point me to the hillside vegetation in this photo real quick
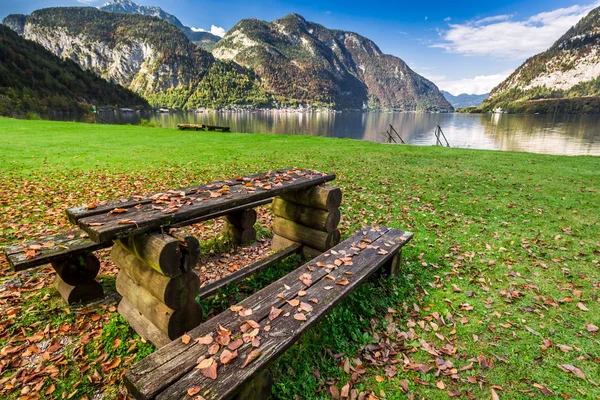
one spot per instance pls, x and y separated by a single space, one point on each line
34 80
145 54
569 70
302 62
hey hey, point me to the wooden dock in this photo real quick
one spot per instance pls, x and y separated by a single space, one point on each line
202 127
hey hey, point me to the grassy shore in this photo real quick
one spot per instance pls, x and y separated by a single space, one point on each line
499 294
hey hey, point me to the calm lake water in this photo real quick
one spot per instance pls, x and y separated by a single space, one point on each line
551 134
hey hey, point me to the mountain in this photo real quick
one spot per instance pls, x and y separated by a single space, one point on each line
305 63
569 70
33 79
145 54
206 40
465 100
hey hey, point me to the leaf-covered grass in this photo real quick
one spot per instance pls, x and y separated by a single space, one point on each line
499 289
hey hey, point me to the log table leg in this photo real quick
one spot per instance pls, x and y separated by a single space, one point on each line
259 388
158 285
75 280
309 217
240 226
393 266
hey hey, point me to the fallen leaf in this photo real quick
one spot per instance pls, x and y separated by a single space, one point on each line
543 389
275 312
185 339
194 390
305 307
227 356
572 369
254 354
204 339
494 394
343 282
236 344
299 317
118 211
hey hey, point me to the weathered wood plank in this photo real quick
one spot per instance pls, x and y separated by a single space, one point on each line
102 228
160 370
54 248
284 331
251 269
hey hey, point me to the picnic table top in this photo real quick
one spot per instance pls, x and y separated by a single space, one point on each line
122 218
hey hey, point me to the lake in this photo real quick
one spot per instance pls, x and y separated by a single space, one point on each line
550 134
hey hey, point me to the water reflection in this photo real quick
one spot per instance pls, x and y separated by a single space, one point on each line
552 134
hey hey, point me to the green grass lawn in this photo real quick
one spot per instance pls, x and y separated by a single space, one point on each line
500 288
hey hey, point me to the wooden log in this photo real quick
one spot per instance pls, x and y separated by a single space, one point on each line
392 267
141 325
259 388
279 242
326 198
310 253
74 294
240 235
307 236
172 322
159 251
174 292
77 270
190 249
326 221
244 219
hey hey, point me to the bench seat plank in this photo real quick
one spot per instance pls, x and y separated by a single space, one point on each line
147 217
51 249
168 373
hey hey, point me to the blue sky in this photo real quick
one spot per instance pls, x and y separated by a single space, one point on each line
461 45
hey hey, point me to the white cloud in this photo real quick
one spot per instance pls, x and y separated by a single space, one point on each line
478 85
215 30
501 36
87 2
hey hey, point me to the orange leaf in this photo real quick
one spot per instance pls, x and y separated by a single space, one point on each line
185 339
299 317
254 354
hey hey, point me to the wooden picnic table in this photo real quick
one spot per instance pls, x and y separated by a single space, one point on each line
156 259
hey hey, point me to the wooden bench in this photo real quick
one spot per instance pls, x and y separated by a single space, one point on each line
197 127
227 356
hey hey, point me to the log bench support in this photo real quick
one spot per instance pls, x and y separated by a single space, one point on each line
75 280
158 284
239 226
309 217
